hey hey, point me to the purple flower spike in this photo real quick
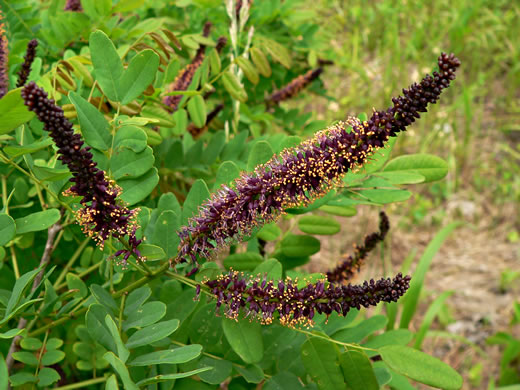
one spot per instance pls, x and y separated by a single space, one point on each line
295 86
102 214
294 306
299 175
23 74
347 269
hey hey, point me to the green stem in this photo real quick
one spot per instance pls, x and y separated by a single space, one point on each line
347 345
84 384
15 262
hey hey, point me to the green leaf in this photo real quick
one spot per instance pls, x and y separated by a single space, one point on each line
165 232
277 51
18 150
384 195
108 67
401 177
316 224
37 221
151 252
432 312
135 190
136 298
22 378
104 298
74 282
130 137
421 367
283 380
11 333
260 154
233 86
53 343
431 167
94 127
13 111
271 268
245 337
357 333
121 369
181 121
122 351
31 343
260 60
139 75
249 70
128 5
390 337
126 163
320 360
269 232
112 383
199 192
246 261
227 172
26 357
358 371
3 374
340 211
7 228
411 298
252 373
220 372
97 329
299 245
152 333
52 357
21 284
147 314
382 373
380 157
170 377
169 356
197 110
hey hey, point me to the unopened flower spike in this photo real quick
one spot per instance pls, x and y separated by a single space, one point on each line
102 213
185 76
73 5
25 70
266 301
295 86
299 175
4 78
348 267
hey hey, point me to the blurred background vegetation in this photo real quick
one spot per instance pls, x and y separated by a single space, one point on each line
378 46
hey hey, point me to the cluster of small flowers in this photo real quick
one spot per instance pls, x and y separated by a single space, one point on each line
102 213
348 267
301 174
4 78
25 70
295 306
295 86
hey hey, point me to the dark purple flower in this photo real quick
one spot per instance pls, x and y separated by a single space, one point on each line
299 175
295 86
30 54
185 76
265 300
348 267
73 5
4 78
102 214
